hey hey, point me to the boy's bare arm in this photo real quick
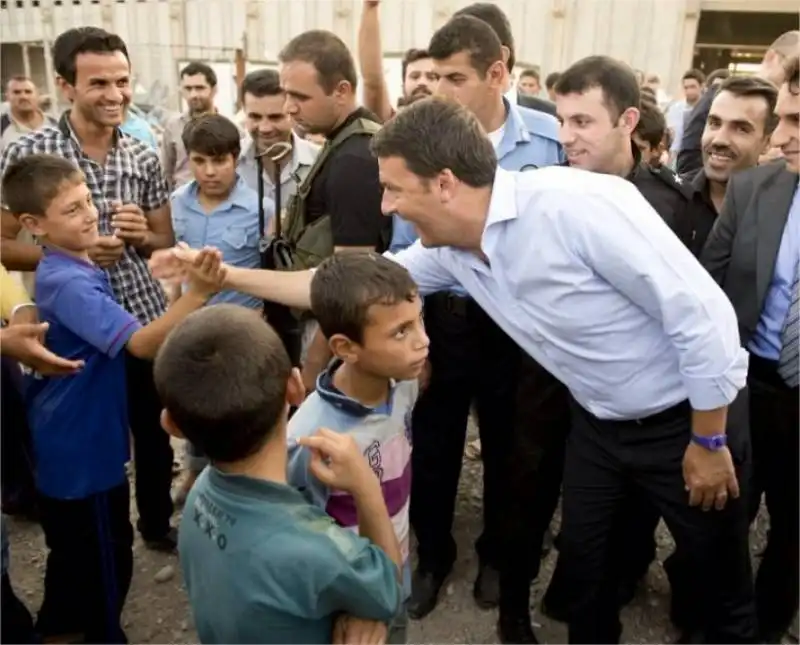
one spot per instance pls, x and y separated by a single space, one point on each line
337 462
204 281
374 522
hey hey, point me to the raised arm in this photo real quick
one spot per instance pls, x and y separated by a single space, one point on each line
370 60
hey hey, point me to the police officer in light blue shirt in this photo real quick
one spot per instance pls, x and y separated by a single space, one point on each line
472 359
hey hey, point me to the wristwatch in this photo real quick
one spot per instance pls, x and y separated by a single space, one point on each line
713 443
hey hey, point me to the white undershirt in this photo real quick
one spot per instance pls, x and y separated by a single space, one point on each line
497 136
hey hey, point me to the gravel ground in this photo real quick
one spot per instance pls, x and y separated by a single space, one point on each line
157 610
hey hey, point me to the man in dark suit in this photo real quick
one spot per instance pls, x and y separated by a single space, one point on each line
754 254
690 156
737 131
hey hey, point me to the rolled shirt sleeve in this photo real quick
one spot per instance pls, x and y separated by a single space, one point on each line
638 255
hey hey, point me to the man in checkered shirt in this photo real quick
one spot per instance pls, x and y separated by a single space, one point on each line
132 200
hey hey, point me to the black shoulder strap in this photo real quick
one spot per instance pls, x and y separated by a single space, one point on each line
5 123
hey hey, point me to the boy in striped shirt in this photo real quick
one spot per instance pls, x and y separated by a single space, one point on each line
370 311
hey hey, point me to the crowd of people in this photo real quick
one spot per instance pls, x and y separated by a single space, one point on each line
609 285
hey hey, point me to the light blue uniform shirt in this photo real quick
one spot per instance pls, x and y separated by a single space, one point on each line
767 341
136 127
530 140
232 228
587 278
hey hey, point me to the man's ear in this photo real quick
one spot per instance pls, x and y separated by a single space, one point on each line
169 425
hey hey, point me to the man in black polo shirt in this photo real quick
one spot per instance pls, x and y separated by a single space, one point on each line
319 77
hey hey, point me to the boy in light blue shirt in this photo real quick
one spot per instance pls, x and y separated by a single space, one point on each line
217 208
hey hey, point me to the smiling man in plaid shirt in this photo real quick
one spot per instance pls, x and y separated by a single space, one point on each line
132 200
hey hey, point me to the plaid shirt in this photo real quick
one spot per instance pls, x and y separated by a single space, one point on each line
131 175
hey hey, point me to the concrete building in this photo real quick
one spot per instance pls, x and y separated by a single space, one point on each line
664 37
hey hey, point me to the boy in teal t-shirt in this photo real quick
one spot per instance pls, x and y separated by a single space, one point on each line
261 565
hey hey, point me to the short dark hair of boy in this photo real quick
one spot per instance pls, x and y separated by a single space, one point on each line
212 135
32 182
616 80
346 285
436 134
196 67
471 35
83 40
530 73
652 124
222 375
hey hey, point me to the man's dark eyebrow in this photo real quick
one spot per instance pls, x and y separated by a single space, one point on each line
297 95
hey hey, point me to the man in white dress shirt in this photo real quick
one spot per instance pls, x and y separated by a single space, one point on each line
585 276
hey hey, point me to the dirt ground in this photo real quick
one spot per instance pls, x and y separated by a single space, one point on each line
157 610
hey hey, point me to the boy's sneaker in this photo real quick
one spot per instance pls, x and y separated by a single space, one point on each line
168 543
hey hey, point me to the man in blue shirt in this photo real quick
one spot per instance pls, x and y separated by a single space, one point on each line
472 360
79 423
585 276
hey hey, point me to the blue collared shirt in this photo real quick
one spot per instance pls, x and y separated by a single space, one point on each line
138 128
767 340
530 140
232 228
587 278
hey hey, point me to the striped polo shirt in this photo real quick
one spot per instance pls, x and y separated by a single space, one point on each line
384 436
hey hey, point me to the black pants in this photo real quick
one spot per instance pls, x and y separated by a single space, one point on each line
19 491
536 465
151 450
471 360
605 460
774 429
89 565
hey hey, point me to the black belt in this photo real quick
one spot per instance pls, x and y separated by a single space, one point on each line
450 302
678 410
